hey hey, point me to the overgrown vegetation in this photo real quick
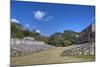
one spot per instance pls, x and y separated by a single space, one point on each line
58 39
63 39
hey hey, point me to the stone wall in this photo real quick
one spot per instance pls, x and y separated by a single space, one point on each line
22 46
87 34
80 49
85 45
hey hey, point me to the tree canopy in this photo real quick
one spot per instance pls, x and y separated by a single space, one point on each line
58 39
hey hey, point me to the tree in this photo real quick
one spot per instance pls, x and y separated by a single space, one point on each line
63 39
58 39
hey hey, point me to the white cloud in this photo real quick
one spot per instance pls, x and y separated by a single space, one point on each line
27 25
37 31
41 15
14 20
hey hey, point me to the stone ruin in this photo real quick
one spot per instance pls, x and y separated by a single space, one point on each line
27 45
80 49
85 45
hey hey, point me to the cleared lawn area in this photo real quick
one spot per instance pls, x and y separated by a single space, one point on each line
48 57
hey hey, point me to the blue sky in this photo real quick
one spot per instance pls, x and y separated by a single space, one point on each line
49 18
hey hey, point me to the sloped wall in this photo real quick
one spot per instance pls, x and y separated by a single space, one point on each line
22 47
80 49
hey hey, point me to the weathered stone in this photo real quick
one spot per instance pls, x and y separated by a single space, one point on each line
81 49
25 46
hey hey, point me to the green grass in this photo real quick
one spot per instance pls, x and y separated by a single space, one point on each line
87 57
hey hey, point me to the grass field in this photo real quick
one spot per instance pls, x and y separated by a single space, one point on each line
50 56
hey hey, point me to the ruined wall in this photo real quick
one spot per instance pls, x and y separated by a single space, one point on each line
22 46
80 49
87 34
85 45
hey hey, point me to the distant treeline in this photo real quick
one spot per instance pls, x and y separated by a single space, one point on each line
58 39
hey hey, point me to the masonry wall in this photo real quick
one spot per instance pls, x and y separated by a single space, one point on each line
22 47
80 49
85 45
88 34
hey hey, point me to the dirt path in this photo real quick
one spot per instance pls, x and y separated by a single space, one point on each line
45 57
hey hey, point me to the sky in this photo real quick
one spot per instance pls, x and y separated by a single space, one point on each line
48 18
